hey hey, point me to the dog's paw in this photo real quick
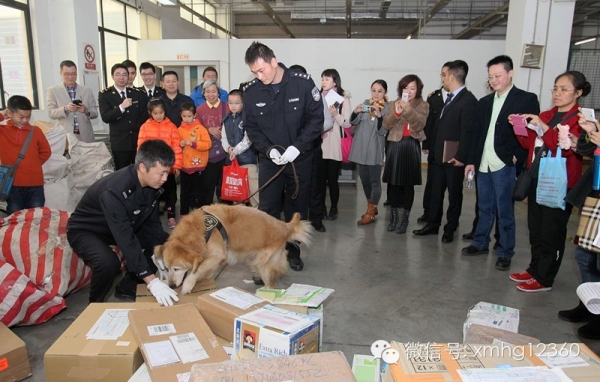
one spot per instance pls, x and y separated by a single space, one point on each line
187 287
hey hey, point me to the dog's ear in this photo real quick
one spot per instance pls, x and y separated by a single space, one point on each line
158 251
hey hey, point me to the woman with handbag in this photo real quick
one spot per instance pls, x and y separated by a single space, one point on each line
368 146
332 139
586 254
402 169
211 114
548 226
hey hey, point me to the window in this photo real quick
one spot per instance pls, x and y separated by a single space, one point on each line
120 26
17 65
202 7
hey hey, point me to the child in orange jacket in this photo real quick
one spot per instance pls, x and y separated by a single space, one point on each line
196 143
27 190
158 126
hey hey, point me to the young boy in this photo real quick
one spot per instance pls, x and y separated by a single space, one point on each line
235 141
195 142
28 186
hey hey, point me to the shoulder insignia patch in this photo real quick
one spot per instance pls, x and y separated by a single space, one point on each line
105 90
316 94
248 84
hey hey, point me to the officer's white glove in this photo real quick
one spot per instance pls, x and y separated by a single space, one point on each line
289 155
275 156
163 294
162 268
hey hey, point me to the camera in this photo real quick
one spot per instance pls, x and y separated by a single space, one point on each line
76 102
366 108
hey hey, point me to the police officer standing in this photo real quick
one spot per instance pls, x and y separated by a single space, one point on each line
122 209
283 116
125 109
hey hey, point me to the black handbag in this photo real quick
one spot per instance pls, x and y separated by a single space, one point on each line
527 175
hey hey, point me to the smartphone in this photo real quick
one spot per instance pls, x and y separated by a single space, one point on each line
405 97
589 114
366 108
77 102
336 104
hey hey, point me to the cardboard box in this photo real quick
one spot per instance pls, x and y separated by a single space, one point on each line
220 309
450 362
144 295
492 315
273 332
172 339
14 362
480 334
317 312
74 358
329 366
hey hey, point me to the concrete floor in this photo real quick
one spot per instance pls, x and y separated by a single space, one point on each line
390 286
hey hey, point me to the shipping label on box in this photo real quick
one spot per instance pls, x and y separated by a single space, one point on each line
273 332
326 367
114 356
172 339
220 309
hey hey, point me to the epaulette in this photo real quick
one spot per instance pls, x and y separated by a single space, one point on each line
136 89
248 84
300 74
105 90
434 92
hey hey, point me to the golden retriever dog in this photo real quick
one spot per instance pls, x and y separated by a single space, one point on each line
252 236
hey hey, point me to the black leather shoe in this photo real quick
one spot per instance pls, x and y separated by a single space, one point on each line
496 245
422 219
319 227
448 237
427 230
578 314
472 250
468 236
333 213
591 330
122 294
296 263
386 203
503 264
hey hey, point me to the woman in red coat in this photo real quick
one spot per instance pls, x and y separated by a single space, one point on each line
548 226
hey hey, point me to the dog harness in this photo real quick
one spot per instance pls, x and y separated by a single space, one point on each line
210 223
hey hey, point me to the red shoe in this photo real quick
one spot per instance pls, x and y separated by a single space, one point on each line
520 277
532 286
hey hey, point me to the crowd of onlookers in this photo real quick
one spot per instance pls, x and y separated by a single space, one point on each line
462 137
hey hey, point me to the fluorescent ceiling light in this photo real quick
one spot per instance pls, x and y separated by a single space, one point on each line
167 2
586 40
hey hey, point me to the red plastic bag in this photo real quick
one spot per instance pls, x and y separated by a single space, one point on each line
235 186
346 142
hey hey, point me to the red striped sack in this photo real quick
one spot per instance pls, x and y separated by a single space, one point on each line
35 242
21 303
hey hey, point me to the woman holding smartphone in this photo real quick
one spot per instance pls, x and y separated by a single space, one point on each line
548 226
402 169
368 146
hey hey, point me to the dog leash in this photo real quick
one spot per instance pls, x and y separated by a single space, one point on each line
294 196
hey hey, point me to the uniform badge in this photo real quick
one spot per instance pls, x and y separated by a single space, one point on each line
261 104
136 212
315 94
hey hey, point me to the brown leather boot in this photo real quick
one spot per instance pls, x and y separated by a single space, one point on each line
369 216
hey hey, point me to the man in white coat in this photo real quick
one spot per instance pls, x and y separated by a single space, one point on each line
72 105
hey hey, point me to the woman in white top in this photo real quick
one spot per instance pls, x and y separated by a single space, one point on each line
332 149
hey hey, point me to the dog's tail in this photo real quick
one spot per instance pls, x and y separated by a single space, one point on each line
299 230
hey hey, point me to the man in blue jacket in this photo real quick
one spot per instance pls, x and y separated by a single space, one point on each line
209 73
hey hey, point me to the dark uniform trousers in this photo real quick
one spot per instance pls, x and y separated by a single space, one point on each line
442 177
270 196
104 262
317 187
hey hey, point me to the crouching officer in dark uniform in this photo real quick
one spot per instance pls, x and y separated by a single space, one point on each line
283 116
122 209
125 110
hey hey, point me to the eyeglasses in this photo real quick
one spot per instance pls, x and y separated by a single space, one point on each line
125 75
234 103
561 90
69 74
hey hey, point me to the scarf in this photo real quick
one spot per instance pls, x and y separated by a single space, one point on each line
378 104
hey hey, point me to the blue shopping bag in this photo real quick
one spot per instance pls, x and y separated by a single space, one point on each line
552 181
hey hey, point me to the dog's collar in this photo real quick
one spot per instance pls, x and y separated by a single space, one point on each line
210 223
